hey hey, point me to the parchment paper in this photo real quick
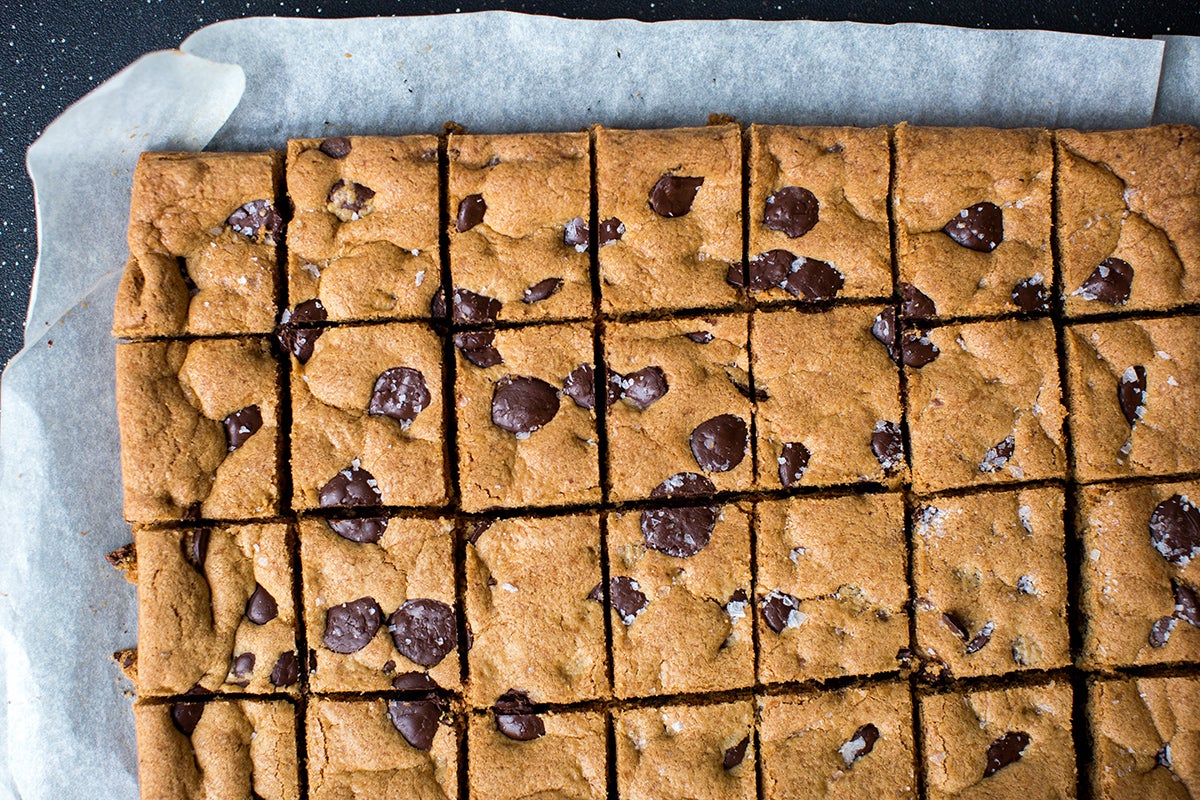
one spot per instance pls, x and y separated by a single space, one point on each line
66 732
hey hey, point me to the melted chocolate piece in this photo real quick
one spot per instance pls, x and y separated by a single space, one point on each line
626 598
1031 295
286 671
399 393
793 462
917 304
241 425
417 721
414 682
700 337
577 235
424 631
364 530
353 486
522 405
261 608
351 626
1175 530
1160 631
778 609
1187 603
470 212
979 227
770 270
186 716
611 230
194 546
996 457
684 484
580 386
736 754
792 210
515 717
813 280
917 350
884 331
644 387
541 290
349 201
860 744
257 220
479 348
719 444
1004 751
679 532
335 147
888 445
1111 282
471 308
242 668
673 195
1131 394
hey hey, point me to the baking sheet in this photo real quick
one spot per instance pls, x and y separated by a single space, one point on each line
66 731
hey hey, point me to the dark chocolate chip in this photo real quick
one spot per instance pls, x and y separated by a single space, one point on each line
186 716
611 230
684 484
700 337
306 313
980 227
414 682
389 667
351 626
479 348
597 593
1031 295
295 333
577 235
336 147
1175 530
917 350
261 608
1004 751
735 276
860 744
736 754
1131 393
473 308
470 212
981 639
1187 604
437 305
1160 631
1163 757
770 270
884 330
644 387
349 200
956 625
522 405
758 393
286 670
626 597
792 210
515 718
580 386
719 444
257 220
194 546
1110 282
399 393
353 486
996 457
813 280
888 445
673 195
417 721
793 461
364 530
242 668
679 532
241 425
778 608
541 290
917 304
424 631
477 528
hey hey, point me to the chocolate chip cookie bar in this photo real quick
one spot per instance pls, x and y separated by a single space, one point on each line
514 753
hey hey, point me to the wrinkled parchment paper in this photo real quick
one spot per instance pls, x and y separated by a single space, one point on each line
66 732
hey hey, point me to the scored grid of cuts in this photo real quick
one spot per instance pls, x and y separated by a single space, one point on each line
817 501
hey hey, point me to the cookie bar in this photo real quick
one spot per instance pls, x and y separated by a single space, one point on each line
679 402
363 239
217 748
831 586
669 217
199 429
1128 218
828 399
532 609
1133 397
367 418
203 228
679 587
381 748
984 405
991 581
526 417
515 754
999 743
1144 735
215 611
818 213
519 210
972 213
379 603
697 752
1140 576
845 744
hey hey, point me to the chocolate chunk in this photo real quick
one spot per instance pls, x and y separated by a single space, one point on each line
1160 631
295 333
597 593
194 546
1131 394
860 744
470 212
286 670
242 668
1163 757
335 147
781 610
758 393
522 405
1004 751
1031 295
257 220
673 195
389 667
471 308
679 532
719 444
1175 530
577 235
813 280
884 330
351 626
735 276
996 457
424 631
305 313
736 754
917 304
541 290
261 608
700 337
957 626
414 682
515 717
399 393
888 445
792 210
241 425
981 639
479 348
684 484
364 530
626 597
417 721
349 201
644 387
1110 282
186 716
1187 604
611 230
437 305
476 529
917 350
980 227
580 386
793 461
353 486
770 270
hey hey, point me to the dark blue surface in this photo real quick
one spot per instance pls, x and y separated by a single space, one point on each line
57 52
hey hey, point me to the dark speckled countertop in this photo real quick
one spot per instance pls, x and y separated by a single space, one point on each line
56 52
